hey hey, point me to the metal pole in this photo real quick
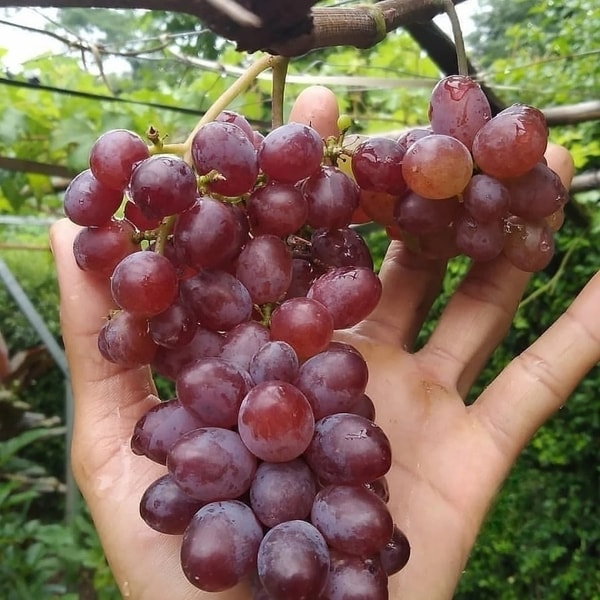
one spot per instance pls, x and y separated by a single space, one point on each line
58 355
34 317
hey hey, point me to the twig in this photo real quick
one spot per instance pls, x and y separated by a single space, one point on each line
280 67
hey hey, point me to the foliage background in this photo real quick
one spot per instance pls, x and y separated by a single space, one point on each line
542 537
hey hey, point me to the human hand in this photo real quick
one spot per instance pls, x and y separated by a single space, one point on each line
449 459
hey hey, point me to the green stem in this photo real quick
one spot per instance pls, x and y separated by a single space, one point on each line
459 42
280 67
163 233
555 278
175 148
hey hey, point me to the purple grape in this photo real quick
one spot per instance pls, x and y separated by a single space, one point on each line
282 492
166 508
220 545
352 519
348 449
293 561
211 464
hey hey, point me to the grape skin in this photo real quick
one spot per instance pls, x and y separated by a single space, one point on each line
511 143
275 421
437 166
349 293
163 185
291 152
348 449
160 427
282 492
458 107
333 381
220 545
305 324
213 389
225 148
352 519
100 249
211 464
89 202
145 283
293 561
114 155
166 508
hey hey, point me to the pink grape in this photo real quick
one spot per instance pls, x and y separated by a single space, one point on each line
168 362
339 248
230 116
511 143
125 340
160 427
243 341
480 240
291 152
174 327
355 578
333 380
305 324
486 198
529 245
163 185
437 167
275 421
145 283
536 194
275 360
395 554
458 107
349 293
332 198
210 234
219 300
89 202
100 249
213 389
377 166
225 148
277 208
114 155
418 215
264 266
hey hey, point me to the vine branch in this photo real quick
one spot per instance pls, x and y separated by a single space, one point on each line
285 28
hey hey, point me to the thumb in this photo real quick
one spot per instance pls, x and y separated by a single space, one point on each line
108 399
318 107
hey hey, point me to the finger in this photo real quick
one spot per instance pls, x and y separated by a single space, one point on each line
411 283
538 382
480 312
317 106
108 399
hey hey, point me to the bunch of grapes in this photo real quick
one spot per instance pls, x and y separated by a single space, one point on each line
230 272
469 184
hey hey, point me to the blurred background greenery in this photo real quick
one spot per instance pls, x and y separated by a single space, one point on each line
133 69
